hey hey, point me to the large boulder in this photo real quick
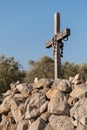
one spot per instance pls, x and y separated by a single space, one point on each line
16 111
24 89
5 106
34 107
61 123
79 91
59 104
79 111
62 85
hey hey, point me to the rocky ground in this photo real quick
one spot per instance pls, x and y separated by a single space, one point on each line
45 105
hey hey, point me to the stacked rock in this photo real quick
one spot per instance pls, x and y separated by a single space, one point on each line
45 105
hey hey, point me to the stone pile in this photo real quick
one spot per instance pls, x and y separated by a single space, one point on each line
45 105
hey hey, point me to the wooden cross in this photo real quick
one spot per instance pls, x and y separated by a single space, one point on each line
57 44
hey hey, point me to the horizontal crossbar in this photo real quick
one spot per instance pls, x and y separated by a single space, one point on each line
61 36
49 43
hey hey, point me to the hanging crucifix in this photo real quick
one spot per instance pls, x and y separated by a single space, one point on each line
57 45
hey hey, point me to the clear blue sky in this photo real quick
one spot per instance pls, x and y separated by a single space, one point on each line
26 25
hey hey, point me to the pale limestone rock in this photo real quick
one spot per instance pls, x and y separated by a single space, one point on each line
71 100
23 125
51 92
44 82
8 93
23 89
77 79
34 105
79 111
36 80
78 92
5 106
59 104
43 107
45 116
19 98
16 112
7 123
61 123
62 85
71 79
39 124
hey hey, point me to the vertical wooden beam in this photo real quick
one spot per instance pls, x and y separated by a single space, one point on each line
56 23
57 59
